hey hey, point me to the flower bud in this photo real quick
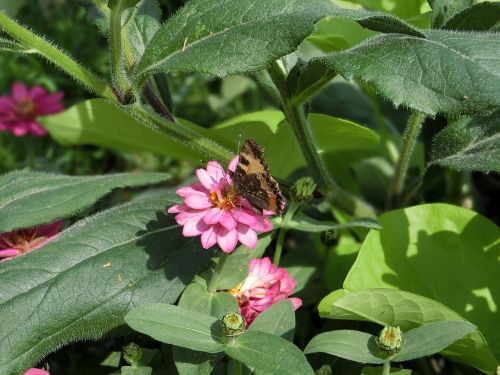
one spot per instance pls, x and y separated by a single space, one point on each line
303 190
390 340
233 324
132 353
329 237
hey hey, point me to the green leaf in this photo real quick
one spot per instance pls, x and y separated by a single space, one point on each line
431 338
178 326
469 144
428 237
129 370
446 72
305 223
94 122
142 24
406 310
196 297
478 17
89 278
222 37
444 10
352 345
32 198
269 353
278 320
378 371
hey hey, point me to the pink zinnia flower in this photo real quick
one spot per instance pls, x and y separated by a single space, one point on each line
264 286
213 210
21 241
18 112
36 371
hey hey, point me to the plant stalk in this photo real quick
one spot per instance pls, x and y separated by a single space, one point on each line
386 369
214 281
297 119
407 147
50 52
115 41
282 232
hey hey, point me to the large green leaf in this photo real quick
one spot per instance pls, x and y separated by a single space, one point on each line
429 248
305 223
444 10
224 37
479 17
469 144
446 72
32 198
406 310
97 122
279 320
269 353
178 326
81 285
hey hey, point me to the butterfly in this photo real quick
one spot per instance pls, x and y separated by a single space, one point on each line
252 179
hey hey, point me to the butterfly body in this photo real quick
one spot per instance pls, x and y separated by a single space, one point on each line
253 181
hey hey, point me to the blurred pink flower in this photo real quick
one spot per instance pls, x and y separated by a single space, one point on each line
264 286
36 371
18 111
213 209
21 241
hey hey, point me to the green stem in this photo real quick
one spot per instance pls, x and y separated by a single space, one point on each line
115 41
214 281
55 56
282 232
386 369
407 147
186 136
296 118
238 368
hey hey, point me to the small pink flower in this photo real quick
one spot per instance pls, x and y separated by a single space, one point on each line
264 286
21 241
36 371
213 210
18 111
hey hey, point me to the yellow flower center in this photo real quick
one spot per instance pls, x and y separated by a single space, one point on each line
229 199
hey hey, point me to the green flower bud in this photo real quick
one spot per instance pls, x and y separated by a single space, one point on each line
303 190
324 370
233 324
390 340
329 237
132 353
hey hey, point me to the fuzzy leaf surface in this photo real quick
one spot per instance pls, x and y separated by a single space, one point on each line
222 37
469 144
32 198
478 17
446 72
81 285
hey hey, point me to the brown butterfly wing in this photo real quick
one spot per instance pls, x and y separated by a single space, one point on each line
253 181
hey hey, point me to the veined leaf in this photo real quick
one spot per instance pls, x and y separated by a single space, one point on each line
447 72
305 223
32 198
81 285
443 10
279 320
178 326
469 144
222 37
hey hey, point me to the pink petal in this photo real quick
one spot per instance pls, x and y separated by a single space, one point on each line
36 371
177 208
205 178
198 202
213 215
192 226
263 224
296 302
227 239
19 91
227 220
233 163
215 170
7 253
195 188
184 216
209 237
52 229
245 216
37 129
247 236
6 104
37 92
19 129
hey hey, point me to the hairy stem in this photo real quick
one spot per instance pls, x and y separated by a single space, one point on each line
60 59
407 147
282 232
297 119
386 369
115 41
214 281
